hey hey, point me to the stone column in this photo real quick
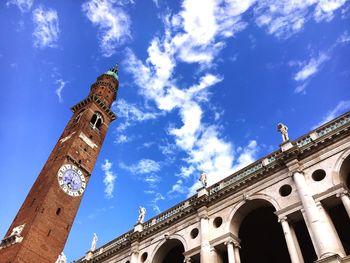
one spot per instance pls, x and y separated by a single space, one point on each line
333 234
344 196
205 245
296 243
215 257
236 252
134 256
317 228
292 249
230 252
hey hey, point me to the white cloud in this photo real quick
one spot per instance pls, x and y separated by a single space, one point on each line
246 155
341 107
325 9
46 27
202 23
156 3
145 169
312 66
122 139
167 149
112 21
158 197
109 178
144 166
61 84
23 5
300 88
152 180
195 35
284 18
309 69
132 113
344 38
129 115
178 188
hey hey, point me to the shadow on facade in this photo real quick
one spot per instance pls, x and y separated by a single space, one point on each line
336 209
262 237
170 252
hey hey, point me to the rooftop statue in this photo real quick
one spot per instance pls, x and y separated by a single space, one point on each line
93 242
283 129
142 213
203 179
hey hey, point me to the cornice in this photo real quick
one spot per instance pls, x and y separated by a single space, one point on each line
99 103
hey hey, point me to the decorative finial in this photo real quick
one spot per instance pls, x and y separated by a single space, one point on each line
115 68
142 213
283 129
113 71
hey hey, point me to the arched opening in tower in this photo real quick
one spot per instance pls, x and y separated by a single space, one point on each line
262 238
170 252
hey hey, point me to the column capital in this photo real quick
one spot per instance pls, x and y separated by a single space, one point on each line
233 242
342 193
299 171
202 212
187 259
134 251
282 219
203 216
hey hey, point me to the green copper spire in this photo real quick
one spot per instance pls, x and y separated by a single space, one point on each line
113 71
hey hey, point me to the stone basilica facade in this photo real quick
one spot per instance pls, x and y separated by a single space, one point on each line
290 206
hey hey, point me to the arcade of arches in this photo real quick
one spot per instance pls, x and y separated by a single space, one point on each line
261 237
293 208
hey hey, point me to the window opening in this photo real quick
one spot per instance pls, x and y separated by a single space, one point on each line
96 121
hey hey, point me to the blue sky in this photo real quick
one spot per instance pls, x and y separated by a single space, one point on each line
202 86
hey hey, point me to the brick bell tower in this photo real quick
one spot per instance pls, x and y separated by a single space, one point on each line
41 227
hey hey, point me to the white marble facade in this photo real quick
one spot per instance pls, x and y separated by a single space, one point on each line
305 185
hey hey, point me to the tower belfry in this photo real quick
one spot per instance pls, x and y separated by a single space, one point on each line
41 227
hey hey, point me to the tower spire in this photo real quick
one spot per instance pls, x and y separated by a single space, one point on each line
113 71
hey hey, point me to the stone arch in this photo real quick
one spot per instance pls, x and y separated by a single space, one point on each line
244 207
165 246
254 223
341 168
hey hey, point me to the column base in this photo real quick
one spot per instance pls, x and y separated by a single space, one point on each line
330 259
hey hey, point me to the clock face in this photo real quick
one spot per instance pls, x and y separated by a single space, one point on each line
71 180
